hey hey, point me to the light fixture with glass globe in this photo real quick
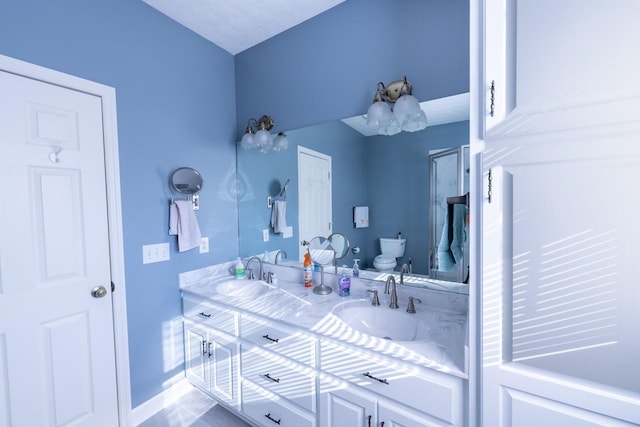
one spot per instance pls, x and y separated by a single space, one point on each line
261 139
407 115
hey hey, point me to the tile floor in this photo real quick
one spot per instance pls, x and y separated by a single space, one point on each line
194 409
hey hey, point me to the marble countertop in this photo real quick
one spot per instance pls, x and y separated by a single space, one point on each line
442 346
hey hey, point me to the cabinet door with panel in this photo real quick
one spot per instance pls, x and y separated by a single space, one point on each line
560 295
553 65
340 405
196 355
224 359
391 415
212 362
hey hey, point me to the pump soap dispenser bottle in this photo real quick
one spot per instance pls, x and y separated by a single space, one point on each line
345 283
356 269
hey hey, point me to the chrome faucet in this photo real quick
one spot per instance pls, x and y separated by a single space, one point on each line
403 269
275 260
394 292
250 275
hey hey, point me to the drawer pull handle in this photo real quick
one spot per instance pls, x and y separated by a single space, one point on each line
369 418
204 315
267 337
204 349
272 419
383 381
269 377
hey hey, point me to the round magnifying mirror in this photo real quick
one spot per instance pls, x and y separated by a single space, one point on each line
322 252
187 181
340 244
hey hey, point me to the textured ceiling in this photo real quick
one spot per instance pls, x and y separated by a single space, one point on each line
236 25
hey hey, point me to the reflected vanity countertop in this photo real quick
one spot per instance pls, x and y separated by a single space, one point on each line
442 345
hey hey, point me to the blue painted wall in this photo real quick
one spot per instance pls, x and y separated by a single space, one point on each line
327 68
176 107
399 183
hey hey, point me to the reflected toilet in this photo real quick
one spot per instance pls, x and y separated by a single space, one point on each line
391 250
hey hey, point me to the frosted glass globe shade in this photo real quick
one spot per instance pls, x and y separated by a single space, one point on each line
247 141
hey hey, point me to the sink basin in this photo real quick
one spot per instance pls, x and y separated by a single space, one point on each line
242 288
382 322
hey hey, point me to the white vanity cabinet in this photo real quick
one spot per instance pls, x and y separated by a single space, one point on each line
278 375
212 362
552 65
278 379
429 398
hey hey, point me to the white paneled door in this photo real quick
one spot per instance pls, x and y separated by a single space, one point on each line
57 360
560 294
314 195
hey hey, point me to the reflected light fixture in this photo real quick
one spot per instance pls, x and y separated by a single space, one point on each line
406 115
259 137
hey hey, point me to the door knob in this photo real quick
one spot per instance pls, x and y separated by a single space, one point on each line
98 292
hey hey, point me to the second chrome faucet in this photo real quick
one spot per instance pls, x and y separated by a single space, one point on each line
394 292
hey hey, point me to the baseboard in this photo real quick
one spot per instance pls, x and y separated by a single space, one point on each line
160 401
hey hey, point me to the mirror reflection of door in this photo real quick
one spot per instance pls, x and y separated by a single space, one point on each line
449 177
314 195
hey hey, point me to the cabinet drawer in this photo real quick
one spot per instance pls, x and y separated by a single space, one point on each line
436 394
279 338
212 316
267 409
279 375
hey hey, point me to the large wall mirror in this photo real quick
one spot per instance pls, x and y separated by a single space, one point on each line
390 175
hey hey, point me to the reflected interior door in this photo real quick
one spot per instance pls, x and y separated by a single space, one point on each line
314 198
57 355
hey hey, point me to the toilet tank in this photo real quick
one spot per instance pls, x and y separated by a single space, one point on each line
392 247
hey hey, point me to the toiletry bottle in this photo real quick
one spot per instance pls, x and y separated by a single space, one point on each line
399 235
239 269
308 281
266 258
356 269
345 283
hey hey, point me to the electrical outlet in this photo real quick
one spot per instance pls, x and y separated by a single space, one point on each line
204 245
288 232
265 235
155 253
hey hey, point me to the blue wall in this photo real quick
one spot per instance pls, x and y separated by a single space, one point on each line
399 184
327 68
176 107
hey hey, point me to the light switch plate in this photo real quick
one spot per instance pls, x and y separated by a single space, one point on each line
288 232
155 253
204 245
265 235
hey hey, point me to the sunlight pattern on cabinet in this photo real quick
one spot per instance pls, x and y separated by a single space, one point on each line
172 344
574 307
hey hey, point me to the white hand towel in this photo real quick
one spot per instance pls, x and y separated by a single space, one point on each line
361 216
183 222
278 216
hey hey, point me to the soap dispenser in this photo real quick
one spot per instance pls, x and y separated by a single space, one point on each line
356 269
239 269
345 283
